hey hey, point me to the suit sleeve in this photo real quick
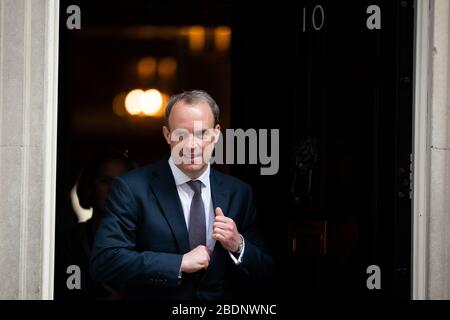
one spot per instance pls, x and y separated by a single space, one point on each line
256 261
114 257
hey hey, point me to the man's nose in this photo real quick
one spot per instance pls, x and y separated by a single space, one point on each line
193 142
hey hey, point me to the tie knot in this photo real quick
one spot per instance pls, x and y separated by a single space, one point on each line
195 185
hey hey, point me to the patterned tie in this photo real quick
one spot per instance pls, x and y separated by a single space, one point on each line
197 223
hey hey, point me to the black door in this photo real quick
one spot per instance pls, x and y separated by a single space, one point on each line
336 78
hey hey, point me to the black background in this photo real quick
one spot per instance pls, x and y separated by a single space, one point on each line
350 89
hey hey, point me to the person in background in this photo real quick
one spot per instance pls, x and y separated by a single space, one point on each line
92 190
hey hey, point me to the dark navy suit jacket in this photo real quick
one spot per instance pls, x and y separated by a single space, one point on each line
143 235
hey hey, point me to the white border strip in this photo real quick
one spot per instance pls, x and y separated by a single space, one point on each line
51 119
421 148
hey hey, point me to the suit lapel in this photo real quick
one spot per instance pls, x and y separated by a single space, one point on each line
218 193
164 188
166 192
219 196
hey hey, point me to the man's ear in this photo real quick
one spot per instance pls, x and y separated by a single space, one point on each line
166 134
216 133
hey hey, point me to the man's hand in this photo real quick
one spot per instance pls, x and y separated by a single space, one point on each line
195 260
225 231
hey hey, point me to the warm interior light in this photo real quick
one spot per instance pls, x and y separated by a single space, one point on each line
119 104
133 101
151 102
146 67
196 36
222 38
167 67
166 99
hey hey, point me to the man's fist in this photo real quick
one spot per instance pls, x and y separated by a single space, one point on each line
225 231
195 260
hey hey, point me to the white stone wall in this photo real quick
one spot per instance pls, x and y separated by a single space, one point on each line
27 110
438 261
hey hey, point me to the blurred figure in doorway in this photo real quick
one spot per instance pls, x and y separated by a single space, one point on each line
91 191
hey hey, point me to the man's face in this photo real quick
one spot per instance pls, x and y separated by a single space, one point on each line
191 134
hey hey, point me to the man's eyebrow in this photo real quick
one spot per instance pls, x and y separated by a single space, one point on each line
204 130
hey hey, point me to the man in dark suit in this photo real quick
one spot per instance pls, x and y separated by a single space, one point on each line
179 229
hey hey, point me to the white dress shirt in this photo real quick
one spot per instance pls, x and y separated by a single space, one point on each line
186 194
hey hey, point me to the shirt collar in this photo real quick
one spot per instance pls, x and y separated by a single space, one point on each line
180 177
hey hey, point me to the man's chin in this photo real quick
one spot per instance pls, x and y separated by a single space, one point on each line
192 167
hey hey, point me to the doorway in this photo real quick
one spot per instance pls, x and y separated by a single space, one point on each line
115 55
340 89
